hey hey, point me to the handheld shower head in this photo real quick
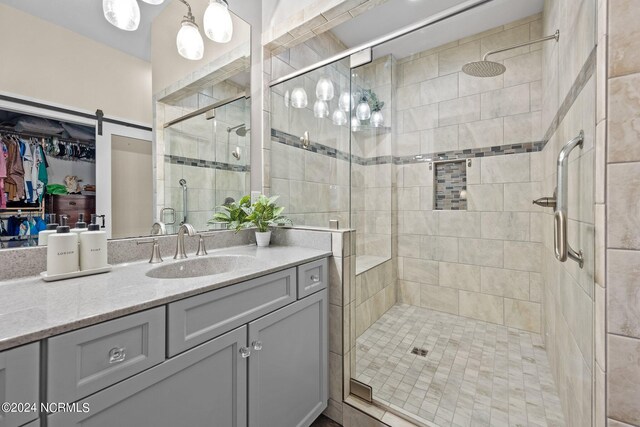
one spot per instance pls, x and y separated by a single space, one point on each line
183 183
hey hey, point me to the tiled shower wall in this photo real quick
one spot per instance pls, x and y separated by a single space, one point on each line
569 105
484 262
622 133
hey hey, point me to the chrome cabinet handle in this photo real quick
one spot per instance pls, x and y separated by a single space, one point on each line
245 352
305 140
315 278
117 354
257 345
561 247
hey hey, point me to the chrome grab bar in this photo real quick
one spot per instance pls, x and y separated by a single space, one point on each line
562 248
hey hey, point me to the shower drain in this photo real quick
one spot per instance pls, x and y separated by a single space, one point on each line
419 352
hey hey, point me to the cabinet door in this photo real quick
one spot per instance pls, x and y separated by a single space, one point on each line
288 364
203 387
19 383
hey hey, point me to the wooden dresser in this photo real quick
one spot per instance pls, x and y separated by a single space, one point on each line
71 205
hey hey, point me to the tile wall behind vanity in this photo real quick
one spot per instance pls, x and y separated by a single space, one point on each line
483 262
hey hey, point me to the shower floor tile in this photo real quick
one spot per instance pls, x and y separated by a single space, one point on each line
473 373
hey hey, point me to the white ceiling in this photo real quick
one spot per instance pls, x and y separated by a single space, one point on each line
395 14
85 17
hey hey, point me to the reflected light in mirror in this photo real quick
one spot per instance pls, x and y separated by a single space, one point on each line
299 98
339 118
217 22
346 102
363 112
377 119
324 89
320 109
154 2
123 14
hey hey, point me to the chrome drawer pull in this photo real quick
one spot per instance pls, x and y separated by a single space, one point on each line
315 278
117 354
245 352
257 345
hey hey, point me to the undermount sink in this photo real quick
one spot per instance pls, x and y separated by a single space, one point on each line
199 267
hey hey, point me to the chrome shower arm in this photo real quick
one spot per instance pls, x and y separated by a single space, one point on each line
555 36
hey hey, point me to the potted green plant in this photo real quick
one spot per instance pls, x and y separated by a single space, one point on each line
233 214
264 213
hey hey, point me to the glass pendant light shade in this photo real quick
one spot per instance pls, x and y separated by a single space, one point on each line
324 89
320 109
124 14
346 102
299 98
189 41
355 123
339 117
153 2
217 22
363 111
377 119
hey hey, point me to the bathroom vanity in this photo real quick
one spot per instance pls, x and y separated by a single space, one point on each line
244 347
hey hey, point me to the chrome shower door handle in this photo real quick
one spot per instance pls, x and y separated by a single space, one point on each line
560 240
305 140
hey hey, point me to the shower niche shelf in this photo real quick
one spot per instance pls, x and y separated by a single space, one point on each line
450 185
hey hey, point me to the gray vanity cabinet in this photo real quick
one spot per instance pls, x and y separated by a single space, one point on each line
203 387
288 364
19 383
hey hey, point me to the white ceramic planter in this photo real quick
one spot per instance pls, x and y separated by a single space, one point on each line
263 239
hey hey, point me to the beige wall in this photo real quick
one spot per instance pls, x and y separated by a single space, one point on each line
132 187
54 65
168 66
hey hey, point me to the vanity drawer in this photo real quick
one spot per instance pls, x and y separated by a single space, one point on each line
198 319
91 359
19 382
312 277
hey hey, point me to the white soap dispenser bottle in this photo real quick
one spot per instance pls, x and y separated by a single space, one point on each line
81 225
52 225
93 247
62 250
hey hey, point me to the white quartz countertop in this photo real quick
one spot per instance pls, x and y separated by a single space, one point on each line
31 309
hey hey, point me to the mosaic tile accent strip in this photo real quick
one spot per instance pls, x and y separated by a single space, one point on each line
583 77
474 373
450 179
200 163
500 150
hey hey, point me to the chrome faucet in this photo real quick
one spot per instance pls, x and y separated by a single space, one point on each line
188 228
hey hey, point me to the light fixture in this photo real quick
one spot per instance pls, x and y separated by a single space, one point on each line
377 119
154 2
339 117
287 98
320 109
324 89
124 14
189 41
299 98
217 23
346 102
363 111
355 123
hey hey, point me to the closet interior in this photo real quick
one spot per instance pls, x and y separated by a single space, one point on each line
47 170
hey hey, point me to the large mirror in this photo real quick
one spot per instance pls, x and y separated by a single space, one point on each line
95 120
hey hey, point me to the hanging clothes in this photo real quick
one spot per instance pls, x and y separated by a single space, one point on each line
41 177
27 163
3 173
15 172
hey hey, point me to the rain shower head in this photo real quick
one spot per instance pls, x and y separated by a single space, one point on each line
241 130
483 68
487 68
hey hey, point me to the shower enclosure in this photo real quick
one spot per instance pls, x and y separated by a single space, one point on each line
206 162
466 305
